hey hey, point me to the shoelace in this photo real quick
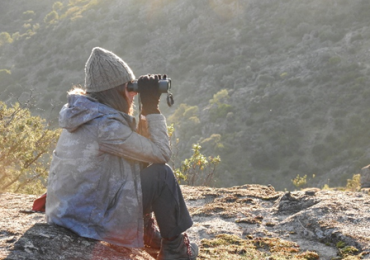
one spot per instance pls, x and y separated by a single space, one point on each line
187 243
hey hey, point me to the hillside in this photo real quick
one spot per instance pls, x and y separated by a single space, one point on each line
276 88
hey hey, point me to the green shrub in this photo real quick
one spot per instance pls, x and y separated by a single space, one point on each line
5 38
212 142
198 169
57 6
178 114
191 112
51 17
299 181
354 184
27 15
220 111
77 2
25 148
220 97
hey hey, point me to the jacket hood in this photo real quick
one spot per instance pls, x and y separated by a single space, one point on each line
82 109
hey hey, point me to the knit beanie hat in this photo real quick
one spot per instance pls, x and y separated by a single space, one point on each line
105 70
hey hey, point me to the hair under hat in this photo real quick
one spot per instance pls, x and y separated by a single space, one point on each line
105 70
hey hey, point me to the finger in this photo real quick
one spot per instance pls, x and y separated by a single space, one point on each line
141 78
142 81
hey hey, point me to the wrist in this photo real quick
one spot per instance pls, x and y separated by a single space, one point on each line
148 111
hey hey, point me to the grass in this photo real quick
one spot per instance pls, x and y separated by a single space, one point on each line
231 247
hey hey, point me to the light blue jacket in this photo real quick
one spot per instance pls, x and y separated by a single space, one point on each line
94 185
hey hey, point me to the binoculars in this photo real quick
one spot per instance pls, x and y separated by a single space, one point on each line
164 85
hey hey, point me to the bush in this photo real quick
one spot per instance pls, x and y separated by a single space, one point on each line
299 181
219 108
354 184
220 111
213 142
198 169
220 97
25 146
57 6
191 112
27 15
5 38
51 17
177 116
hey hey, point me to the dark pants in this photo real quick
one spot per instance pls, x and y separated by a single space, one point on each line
162 195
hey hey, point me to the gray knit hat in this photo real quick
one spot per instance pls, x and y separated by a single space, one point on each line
105 70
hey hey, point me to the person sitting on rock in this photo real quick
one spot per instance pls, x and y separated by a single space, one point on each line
105 176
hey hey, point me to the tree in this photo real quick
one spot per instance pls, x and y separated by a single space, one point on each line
219 97
5 38
51 17
220 108
27 15
25 147
57 6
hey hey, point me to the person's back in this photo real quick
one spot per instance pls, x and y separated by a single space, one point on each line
98 186
80 198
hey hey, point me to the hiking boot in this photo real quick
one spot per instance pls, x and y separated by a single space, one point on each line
152 236
178 249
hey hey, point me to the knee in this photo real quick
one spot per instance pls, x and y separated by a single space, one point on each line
161 172
164 171
158 169
161 167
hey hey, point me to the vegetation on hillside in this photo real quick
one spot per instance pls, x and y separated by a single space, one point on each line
276 88
26 144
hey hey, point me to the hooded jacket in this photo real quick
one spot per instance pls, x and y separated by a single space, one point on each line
94 186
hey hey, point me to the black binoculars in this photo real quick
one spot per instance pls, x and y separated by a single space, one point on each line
164 85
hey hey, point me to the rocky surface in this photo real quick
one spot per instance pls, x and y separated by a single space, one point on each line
26 235
319 221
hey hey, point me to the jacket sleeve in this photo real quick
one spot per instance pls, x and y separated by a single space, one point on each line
119 139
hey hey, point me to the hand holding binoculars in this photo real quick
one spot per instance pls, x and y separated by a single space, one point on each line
164 85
